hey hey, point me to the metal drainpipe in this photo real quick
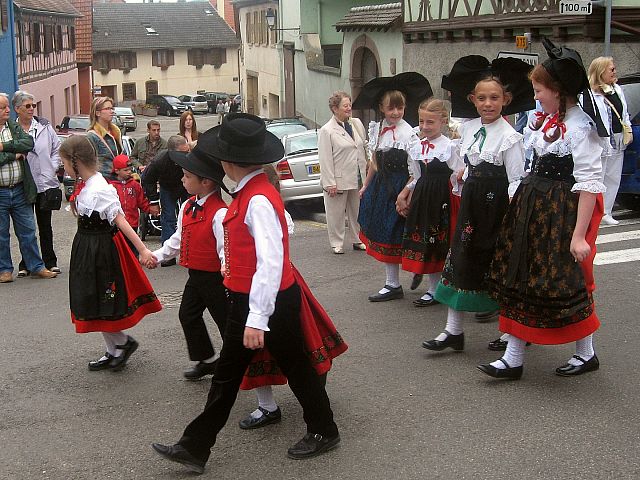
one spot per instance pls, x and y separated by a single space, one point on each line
283 98
607 28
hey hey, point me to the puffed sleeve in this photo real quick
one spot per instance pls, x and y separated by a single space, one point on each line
586 148
413 163
514 164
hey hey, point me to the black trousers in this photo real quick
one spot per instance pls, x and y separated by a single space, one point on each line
45 232
284 341
203 290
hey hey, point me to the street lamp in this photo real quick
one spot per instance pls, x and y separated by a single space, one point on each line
270 15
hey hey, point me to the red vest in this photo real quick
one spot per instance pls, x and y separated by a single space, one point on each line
198 243
239 245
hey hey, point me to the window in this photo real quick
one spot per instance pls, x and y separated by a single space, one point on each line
36 46
162 58
216 56
101 61
128 91
48 38
195 56
126 60
59 39
72 37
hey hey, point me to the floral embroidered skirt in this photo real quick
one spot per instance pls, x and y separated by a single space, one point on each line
545 297
431 221
381 227
108 291
483 204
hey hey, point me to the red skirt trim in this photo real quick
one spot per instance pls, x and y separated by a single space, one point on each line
383 252
322 343
141 299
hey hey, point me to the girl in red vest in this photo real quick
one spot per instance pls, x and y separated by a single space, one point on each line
265 298
108 291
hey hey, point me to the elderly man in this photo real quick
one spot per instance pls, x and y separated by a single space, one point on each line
17 194
43 162
147 148
164 171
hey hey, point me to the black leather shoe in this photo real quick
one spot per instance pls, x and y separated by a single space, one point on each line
392 294
250 422
421 302
101 363
312 445
118 363
498 345
177 453
199 370
454 341
568 370
509 373
417 280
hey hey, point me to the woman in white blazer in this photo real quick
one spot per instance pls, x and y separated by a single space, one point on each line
613 111
343 163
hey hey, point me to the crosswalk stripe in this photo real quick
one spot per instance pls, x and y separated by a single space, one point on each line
626 221
622 211
618 237
617 256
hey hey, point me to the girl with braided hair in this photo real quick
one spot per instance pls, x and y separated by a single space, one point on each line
542 270
108 291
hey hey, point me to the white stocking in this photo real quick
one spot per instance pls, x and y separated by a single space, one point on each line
454 324
393 277
514 355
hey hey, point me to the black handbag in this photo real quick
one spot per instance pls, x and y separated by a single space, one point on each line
50 199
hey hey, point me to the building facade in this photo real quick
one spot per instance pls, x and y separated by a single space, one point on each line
141 50
46 55
9 71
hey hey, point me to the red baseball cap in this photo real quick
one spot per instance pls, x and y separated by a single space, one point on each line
120 161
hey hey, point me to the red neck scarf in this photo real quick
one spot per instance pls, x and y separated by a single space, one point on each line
392 129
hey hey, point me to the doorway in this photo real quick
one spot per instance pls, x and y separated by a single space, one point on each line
151 88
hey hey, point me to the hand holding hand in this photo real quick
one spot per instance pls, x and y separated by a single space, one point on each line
253 338
148 259
361 191
154 209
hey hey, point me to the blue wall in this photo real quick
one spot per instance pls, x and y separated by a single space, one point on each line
8 72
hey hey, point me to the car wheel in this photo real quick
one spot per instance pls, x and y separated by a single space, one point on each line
169 112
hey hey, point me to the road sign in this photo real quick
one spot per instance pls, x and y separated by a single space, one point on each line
521 42
575 7
530 58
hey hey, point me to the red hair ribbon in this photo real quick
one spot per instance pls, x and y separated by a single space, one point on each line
76 191
553 122
426 146
391 129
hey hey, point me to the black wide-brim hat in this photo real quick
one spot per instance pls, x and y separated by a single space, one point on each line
414 86
469 70
242 139
199 164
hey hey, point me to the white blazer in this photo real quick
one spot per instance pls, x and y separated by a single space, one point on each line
342 158
604 108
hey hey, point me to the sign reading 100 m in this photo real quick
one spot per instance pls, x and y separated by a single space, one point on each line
575 7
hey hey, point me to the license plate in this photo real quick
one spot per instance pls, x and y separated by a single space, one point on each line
313 169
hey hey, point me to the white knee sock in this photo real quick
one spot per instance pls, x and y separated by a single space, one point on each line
454 324
584 349
393 276
505 337
112 339
432 283
514 355
265 400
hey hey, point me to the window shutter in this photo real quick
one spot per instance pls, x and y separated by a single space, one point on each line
169 57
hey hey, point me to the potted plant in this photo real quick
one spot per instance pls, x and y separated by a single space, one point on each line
137 108
150 110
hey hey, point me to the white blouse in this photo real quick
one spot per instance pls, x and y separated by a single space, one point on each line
502 146
99 196
444 150
581 140
402 137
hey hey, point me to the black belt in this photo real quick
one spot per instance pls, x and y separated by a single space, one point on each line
13 185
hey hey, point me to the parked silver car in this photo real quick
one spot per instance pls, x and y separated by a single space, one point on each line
195 103
299 169
127 117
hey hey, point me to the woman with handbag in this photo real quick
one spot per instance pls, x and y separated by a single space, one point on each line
103 134
44 162
343 167
612 107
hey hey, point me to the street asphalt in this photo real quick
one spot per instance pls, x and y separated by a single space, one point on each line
403 412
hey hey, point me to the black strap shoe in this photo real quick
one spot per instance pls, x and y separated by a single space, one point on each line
452 341
421 302
498 345
102 363
179 454
392 294
200 369
118 363
509 373
568 370
250 422
312 445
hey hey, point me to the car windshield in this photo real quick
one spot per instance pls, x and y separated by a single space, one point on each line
172 100
301 143
123 111
78 123
282 129
199 98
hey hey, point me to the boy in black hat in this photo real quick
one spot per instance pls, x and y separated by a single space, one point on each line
198 241
265 298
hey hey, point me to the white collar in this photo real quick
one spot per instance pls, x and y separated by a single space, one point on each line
246 179
202 200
